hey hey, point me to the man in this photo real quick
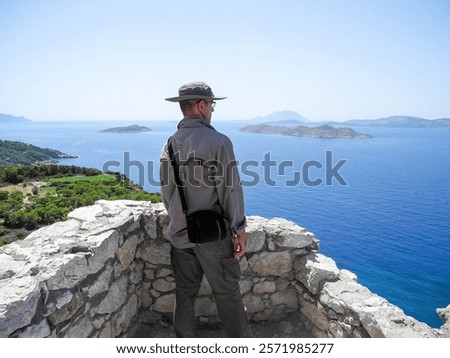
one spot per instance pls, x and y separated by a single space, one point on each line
207 168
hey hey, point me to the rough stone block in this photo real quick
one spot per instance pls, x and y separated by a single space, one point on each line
156 253
253 303
287 234
271 264
40 330
162 285
66 307
125 254
256 237
18 303
115 297
288 298
265 287
80 329
101 284
313 270
315 315
164 304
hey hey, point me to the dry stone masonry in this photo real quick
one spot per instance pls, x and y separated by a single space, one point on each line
107 268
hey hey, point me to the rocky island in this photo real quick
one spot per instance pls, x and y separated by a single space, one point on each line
323 131
134 128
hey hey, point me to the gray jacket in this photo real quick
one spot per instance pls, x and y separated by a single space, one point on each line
210 173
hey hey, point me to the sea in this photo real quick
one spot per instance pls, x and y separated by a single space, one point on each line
380 207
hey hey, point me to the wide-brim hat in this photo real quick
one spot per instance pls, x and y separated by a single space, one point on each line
194 90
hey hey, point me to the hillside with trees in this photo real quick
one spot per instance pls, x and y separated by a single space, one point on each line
38 195
14 153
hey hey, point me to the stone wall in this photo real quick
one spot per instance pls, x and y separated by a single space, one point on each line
105 268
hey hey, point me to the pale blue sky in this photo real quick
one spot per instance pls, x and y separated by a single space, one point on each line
327 60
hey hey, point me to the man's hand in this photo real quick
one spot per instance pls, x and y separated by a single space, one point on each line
240 245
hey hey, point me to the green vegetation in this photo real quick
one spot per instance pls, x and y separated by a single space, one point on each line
97 178
51 192
14 153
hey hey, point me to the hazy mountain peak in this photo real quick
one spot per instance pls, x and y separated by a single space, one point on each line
283 116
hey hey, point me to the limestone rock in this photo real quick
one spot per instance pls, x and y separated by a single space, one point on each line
125 254
87 213
246 285
314 269
316 315
288 298
164 272
285 233
65 271
162 285
271 263
265 287
9 267
379 317
145 294
253 303
444 314
256 237
80 329
155 253
40 330
66 307
127 314
115 297
18 303
103 246
243 263
151 225
164 303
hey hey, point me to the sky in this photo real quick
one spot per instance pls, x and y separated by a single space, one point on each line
325 59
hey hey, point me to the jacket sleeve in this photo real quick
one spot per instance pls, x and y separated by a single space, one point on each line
229 187
165 176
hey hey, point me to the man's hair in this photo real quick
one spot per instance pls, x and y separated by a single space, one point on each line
185 105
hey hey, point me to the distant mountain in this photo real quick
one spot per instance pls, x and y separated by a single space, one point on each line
13 153
287 118
324 131
401 122
134 128
7 118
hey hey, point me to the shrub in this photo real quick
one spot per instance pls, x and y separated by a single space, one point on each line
20 235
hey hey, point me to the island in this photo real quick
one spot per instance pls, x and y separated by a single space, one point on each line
8 118
324 131
134 128
401 122
14 153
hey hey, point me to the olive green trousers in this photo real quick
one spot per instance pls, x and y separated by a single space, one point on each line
215 260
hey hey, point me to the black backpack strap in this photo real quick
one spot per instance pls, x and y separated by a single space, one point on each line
176 171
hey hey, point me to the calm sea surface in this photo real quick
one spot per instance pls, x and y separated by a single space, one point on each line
387 219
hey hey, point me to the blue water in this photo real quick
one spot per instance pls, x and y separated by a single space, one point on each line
390 223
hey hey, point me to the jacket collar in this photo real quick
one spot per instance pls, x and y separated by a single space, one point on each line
193 122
